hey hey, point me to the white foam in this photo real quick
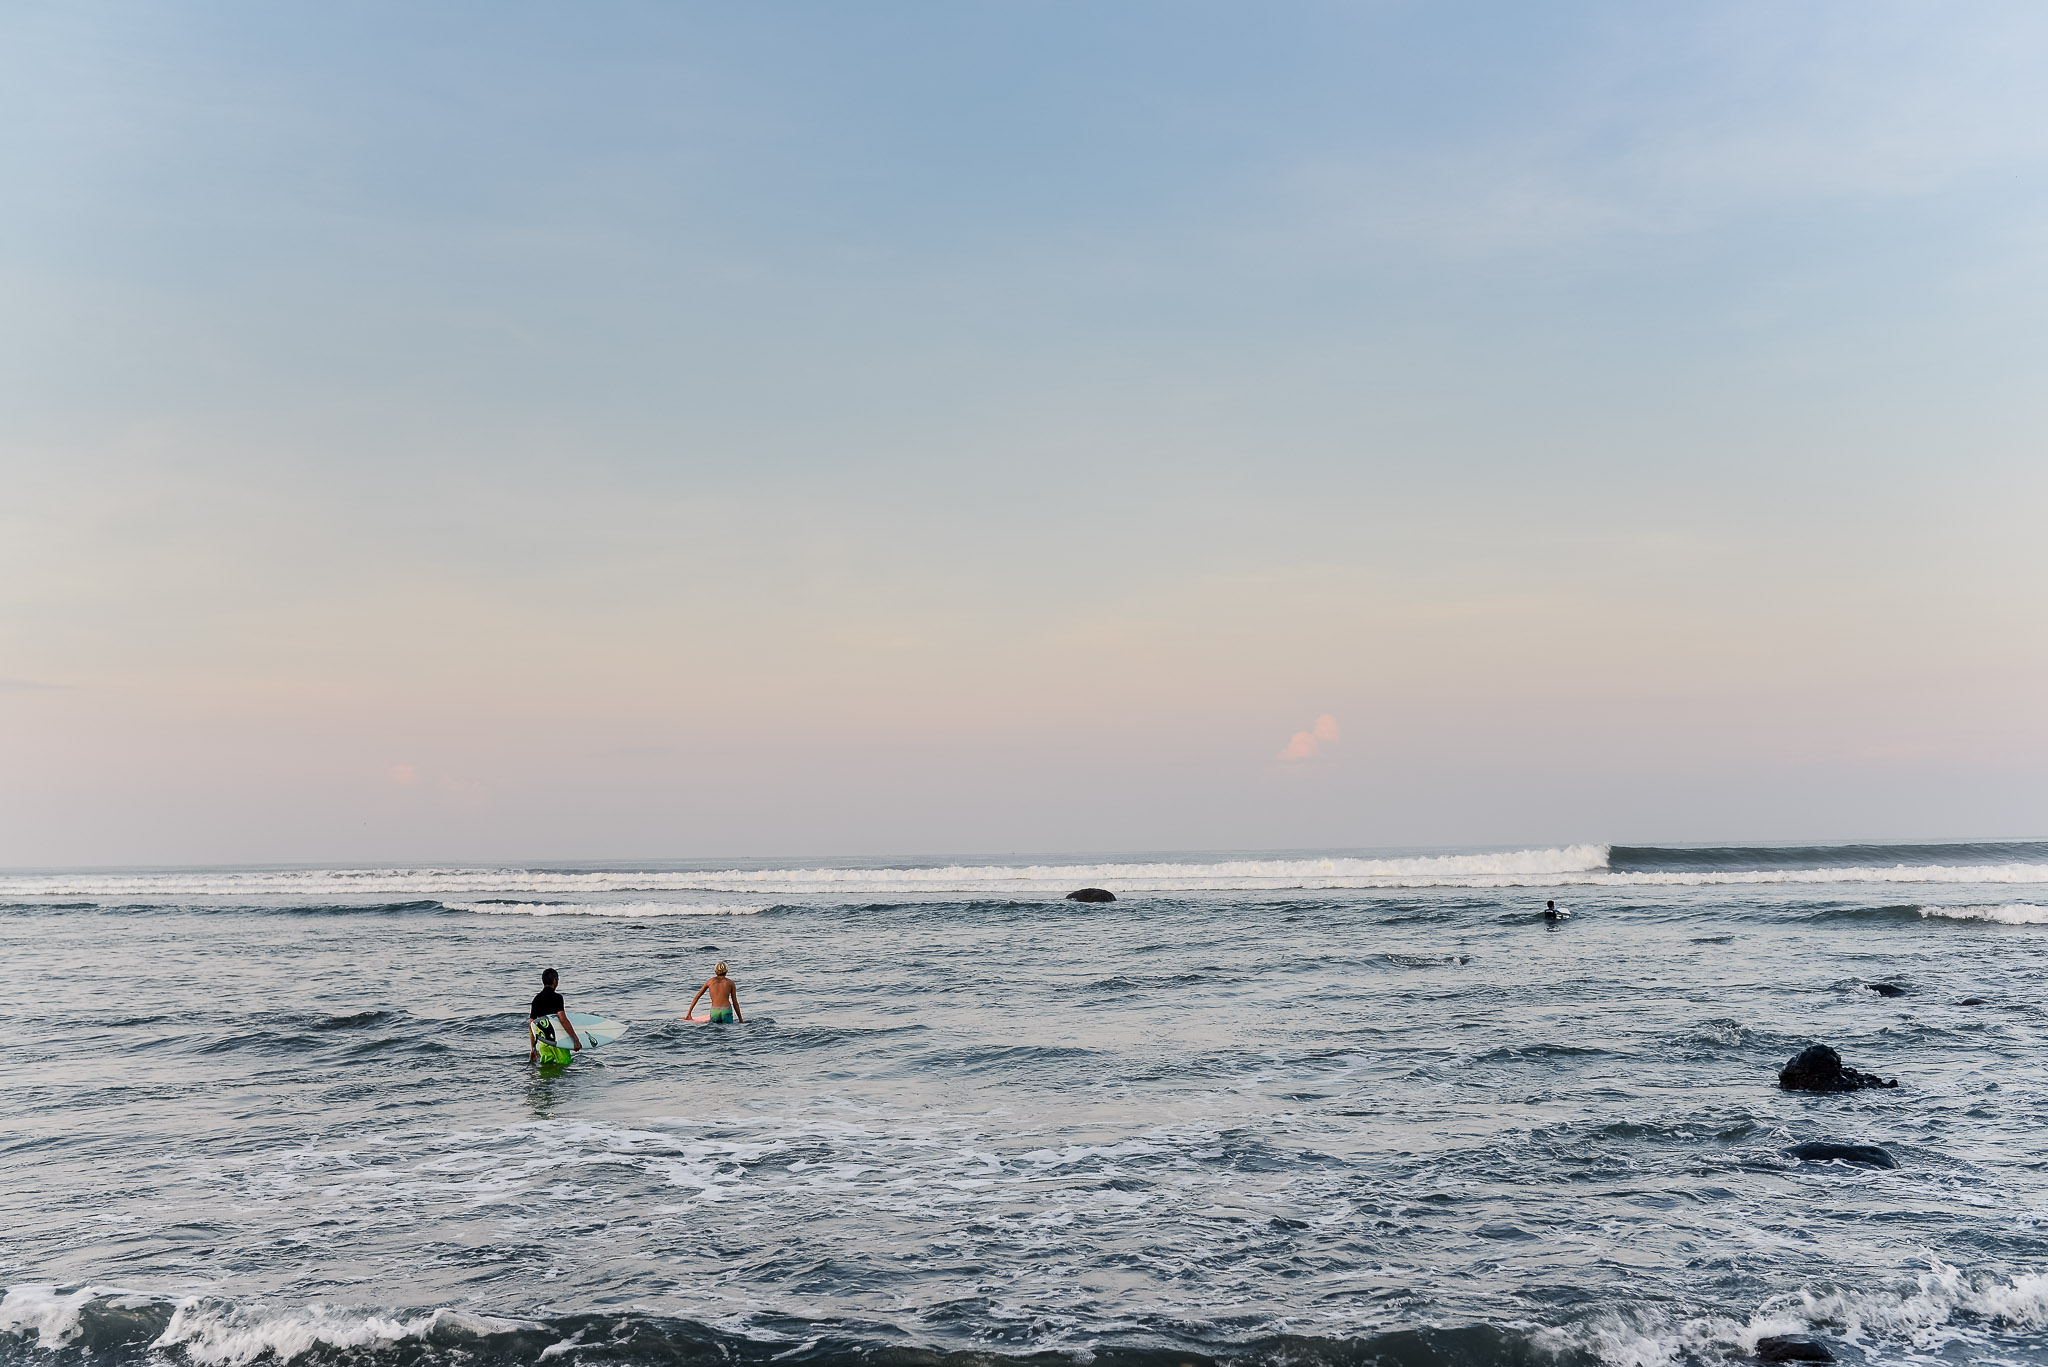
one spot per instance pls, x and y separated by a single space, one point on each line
351 885
2008 913
636 910
39 1308
230 1336
1925 1316
1943 1305
559 893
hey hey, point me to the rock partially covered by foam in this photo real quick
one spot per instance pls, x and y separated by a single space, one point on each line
1091 895
1824 1150
1792 1348
1819 1069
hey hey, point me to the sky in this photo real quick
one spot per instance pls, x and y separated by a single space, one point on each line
525 431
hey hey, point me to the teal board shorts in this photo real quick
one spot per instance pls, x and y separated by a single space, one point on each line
720 1016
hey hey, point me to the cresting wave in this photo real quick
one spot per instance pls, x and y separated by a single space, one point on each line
629 910
42 1324
1945 1313
543 890
2007 913
1941 1312
1515 866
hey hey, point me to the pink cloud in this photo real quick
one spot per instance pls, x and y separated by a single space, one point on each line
1306 743
405 775
1301 747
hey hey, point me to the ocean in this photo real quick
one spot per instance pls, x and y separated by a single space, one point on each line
1315 1108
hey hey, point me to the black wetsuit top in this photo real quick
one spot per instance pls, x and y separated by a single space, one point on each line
546 1004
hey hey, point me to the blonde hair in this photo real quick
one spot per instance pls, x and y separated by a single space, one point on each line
719 968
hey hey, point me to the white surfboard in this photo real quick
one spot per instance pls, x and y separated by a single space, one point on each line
595 1031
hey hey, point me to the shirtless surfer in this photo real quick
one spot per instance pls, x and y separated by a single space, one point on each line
548 1007
725 998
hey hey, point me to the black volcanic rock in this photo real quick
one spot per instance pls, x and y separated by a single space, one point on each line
1819 1069
1091 895
1792 1348
1822 1150
1886 989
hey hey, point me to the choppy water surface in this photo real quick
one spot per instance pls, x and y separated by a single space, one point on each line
1278 1108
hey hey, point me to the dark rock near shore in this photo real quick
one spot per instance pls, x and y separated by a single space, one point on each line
1091 895
1886 989
1822 1150
1971 1001
1819 1069
1792 1348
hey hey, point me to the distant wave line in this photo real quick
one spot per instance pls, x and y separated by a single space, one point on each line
533 891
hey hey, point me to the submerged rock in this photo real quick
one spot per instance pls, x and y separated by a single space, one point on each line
1819 1069
1091 895
1886 989
1822 1150
1792 1348
1971 1001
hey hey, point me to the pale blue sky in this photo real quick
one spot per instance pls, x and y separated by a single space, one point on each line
466 430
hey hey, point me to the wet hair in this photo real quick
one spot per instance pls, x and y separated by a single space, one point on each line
719 968
548 977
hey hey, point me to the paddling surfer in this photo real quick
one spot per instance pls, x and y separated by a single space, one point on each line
548 1007
725 998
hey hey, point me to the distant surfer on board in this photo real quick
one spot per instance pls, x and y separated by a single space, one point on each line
1551 913
725 998
548 1008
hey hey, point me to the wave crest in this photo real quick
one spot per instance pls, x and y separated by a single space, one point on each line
2007 913
1505 868
639 892
629 910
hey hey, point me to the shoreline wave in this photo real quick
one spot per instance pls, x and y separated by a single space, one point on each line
1931 1312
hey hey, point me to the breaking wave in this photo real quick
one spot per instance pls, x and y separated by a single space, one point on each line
630 910
39 1324
2008 913
1943 1312
1535 866
1753 858
556 891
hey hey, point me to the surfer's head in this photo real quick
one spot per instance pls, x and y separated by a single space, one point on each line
548 977
718 969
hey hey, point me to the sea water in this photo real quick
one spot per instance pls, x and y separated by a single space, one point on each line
1316 1108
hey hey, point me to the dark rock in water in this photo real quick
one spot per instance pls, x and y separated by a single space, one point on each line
1819 1069
1091 895
1792 1348
1886 989
1971 1001
1821 1150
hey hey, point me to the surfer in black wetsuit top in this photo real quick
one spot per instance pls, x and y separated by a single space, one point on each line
548 1002
1551 913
